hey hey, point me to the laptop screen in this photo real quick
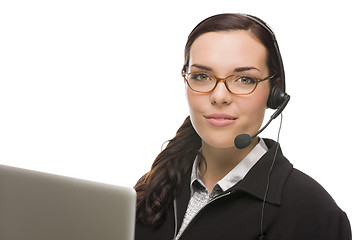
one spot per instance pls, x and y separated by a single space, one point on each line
41 206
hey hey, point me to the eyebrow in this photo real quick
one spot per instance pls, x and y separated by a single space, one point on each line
239 69
202 67
243 69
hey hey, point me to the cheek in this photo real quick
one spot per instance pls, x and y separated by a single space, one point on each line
253 107
195 101
256 102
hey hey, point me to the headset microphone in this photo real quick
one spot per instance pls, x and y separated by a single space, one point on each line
244 140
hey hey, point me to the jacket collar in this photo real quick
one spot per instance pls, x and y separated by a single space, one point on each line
255 182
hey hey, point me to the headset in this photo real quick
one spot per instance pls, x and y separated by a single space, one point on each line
277 93
278 98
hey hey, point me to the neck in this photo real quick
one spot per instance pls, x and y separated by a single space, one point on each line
220 161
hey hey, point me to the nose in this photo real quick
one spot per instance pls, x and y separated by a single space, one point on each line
221 95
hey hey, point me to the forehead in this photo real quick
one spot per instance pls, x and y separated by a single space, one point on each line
226 50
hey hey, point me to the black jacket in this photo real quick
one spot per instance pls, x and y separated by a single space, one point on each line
297 208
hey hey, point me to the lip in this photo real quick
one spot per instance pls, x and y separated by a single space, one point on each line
220 119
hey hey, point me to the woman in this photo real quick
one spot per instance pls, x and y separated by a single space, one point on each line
201 186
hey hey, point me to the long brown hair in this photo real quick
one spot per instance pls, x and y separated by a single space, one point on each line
157 189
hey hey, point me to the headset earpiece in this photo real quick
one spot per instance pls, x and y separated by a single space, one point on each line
276 98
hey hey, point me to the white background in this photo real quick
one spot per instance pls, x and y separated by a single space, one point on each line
91 89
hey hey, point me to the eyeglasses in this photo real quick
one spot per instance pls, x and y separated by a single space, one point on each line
236 84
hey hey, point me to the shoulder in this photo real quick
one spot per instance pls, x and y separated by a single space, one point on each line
310 205
305 189
296 188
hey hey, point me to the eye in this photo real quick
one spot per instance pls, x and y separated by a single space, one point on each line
245 80
199 77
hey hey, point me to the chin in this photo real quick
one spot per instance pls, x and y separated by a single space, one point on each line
218 142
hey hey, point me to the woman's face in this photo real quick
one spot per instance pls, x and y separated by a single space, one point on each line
219 116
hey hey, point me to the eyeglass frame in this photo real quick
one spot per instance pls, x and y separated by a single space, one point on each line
185 76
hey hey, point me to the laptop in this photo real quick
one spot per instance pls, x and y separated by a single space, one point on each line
42 206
